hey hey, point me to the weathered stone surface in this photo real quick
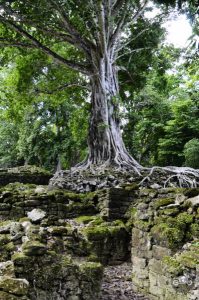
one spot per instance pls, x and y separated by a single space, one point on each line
172 234
159 252
7 268
24 174
193 201
36 215
40 250
15 286
32 248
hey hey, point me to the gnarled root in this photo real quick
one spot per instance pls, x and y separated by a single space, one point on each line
180 176
118 164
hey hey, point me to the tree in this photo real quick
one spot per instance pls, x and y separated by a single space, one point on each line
39 125
191 153
98 30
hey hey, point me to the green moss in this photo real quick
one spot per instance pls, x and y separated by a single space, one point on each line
131 187
133 211
194 228
66 260
19 258
14 285
119 223
4 239
9 247
143 225
97 232
32 248
163 202
87 219
58 230
93 258
104 230
5 223
192 192
24 219
8 296
184 218
171 265
92 270
170 211
167 236
189 259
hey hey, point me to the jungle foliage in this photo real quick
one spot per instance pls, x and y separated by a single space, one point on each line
45 107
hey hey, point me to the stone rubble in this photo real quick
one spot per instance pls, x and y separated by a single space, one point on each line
117 284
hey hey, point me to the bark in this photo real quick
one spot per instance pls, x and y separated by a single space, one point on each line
106 147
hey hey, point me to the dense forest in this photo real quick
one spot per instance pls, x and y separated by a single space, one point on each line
45 106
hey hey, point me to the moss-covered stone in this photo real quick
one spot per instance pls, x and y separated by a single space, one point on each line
4 239
189 259
194 230
163 202
92 270
173 211
143 225
131 187
184 218
96 220
171 265
32 248
167 236
14 286
191 192
58 230
19 258
7 269
7 296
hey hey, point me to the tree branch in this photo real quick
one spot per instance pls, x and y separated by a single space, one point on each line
9 43
117 6
84 43
61 88
36 43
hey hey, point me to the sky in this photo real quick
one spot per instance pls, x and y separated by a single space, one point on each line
178 27
178 31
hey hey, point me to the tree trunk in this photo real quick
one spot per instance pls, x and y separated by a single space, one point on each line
106 147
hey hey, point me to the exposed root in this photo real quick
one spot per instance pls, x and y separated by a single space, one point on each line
127 171
122 166
181 176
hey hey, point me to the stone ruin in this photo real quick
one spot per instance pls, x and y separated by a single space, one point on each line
54 243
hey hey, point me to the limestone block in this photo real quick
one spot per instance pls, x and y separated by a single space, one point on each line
193 201
139 262
156 266
7 268
14 285
36 215
154 288
159 252
32 248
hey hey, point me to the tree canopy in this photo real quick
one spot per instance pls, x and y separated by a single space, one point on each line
45 101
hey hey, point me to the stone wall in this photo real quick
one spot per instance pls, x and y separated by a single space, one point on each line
24 174
165 244
53 244
114 203
16 200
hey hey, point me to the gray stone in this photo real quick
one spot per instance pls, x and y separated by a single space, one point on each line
14 285
7 268
159 252
193 201
40 190
36 215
